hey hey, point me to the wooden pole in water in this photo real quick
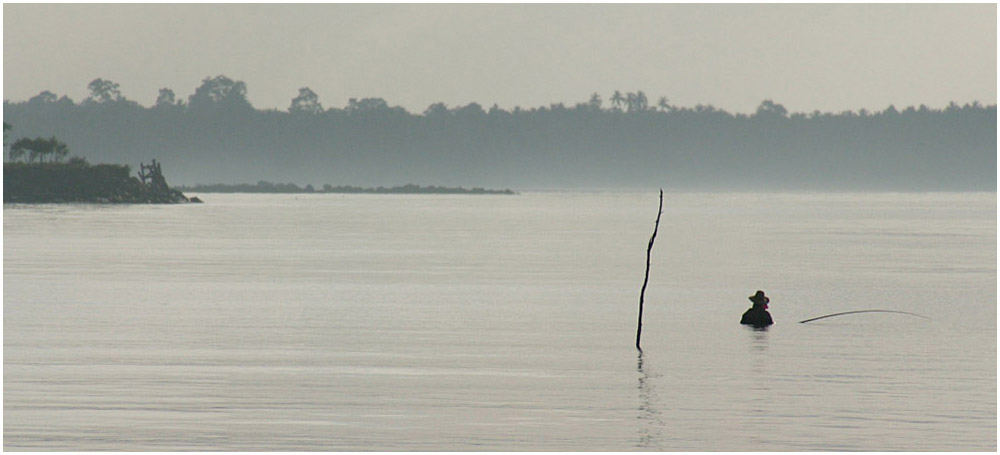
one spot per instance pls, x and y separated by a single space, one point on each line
642 293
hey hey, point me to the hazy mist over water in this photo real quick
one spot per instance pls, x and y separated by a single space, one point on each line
839 157
363 322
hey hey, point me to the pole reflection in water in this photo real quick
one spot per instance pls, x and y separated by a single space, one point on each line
651 422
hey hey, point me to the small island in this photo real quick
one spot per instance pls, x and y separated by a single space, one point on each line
268 187
35 173
78 181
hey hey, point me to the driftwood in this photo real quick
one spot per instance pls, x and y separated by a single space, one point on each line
645 281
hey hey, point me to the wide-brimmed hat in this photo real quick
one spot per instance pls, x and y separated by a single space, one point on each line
759 297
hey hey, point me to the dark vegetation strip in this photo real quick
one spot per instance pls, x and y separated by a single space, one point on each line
81 182
268 187
626 139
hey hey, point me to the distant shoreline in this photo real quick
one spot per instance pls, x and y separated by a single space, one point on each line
291 188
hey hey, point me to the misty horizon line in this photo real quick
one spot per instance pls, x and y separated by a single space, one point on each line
233 93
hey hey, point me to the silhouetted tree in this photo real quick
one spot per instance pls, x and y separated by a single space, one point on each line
56 149
636 102
38 148
770 109
470 109
616 100
44 97
641 101
18 149
664 104
436 110
366 105
306 103
595 102
220 91
165 98
495 110
65 102
6 127
103 91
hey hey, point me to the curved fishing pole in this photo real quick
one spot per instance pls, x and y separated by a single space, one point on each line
863 311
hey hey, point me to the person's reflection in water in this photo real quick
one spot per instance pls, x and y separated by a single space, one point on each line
759 385
650 421
758 348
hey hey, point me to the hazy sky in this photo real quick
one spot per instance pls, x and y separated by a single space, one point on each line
807 57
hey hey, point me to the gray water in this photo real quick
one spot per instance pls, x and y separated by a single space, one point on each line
462 323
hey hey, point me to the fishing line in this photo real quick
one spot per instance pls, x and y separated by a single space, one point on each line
863 311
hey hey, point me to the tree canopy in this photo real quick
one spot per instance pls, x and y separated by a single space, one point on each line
38 149
220 92
104 91
217 135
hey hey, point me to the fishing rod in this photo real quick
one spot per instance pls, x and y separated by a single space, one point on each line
863 311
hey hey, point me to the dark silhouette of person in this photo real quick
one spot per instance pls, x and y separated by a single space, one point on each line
757 315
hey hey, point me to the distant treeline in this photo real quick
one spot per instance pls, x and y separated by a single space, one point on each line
628 140
268 187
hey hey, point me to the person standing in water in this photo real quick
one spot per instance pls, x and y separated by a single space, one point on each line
757 315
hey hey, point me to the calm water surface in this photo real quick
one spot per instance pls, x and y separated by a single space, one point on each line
376 322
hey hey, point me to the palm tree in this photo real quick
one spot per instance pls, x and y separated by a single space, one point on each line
637 102
595 102
18 149
641 102
616 100
57 149
39 148
664 104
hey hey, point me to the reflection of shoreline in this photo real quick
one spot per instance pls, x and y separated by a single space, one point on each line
650 420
